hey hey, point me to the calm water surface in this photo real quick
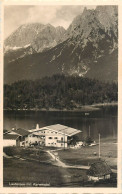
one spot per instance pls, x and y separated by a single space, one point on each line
103 121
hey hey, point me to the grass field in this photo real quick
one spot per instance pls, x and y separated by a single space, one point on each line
19 173
38 168
86 156
31 153
28 172
31 172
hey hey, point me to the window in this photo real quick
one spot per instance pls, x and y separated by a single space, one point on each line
55 138
49 137
61 138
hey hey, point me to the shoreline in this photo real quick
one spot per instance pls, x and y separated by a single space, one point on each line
84 108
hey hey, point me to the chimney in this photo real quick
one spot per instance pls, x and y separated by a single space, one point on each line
37 126
85 9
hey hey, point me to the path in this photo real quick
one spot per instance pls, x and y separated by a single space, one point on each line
6 156
62 164
58 162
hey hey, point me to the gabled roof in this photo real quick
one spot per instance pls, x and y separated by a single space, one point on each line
21 132
34 130
63 129
10 136
99 168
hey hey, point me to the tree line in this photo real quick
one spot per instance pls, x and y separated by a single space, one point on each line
58 92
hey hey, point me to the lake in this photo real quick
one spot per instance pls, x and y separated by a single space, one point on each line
103 121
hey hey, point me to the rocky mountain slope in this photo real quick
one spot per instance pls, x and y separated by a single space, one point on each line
37 35
89 47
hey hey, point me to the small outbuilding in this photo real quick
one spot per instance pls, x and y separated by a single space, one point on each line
10 139
99 170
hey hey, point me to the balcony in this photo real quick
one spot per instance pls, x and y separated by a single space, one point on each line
61 141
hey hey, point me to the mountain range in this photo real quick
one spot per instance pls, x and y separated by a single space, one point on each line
88 48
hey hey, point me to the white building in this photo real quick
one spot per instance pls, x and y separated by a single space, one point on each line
9 139
55 135
26 138
51 136
20 137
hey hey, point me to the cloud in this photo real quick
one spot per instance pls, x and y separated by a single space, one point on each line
66 14
59 15
43 14
14 16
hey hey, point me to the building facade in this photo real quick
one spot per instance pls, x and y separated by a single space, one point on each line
55 135
49 136
9 140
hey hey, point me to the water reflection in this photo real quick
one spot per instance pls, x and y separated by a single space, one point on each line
103 121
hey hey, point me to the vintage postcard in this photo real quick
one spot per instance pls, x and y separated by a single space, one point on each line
61 84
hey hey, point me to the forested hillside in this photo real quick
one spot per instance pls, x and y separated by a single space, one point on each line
58 92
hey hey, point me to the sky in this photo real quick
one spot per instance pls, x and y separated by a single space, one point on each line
59 15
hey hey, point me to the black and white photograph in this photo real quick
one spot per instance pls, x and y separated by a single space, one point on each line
60 90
